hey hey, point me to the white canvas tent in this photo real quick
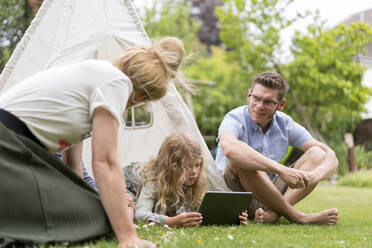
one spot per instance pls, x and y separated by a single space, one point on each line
67 31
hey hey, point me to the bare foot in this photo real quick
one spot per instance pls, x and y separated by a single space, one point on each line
326 217
262 217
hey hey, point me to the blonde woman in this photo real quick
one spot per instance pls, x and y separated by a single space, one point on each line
60 107
174 184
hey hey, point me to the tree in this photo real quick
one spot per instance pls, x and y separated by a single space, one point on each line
15 17
325 80
251 32
327 92
171 18
204 10
222 91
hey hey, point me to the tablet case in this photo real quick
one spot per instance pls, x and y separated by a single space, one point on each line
224 207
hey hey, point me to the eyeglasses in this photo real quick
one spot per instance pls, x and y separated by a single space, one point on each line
266 103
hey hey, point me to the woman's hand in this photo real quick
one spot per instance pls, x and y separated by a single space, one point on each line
243 217
134 241
185 219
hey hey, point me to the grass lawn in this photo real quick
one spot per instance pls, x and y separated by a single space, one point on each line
353 230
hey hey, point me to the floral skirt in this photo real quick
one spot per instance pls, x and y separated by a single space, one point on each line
133 179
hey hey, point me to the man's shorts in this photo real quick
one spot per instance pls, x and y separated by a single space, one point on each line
234 184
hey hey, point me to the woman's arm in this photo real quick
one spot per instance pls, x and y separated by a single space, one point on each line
110 179
72 157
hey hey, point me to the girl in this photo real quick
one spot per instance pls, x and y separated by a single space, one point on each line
174 184
60 107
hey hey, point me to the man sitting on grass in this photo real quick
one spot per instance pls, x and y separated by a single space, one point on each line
254 138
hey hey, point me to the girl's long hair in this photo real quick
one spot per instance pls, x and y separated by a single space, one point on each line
168 172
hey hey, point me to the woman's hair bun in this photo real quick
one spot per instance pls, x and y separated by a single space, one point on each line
150 68
171 51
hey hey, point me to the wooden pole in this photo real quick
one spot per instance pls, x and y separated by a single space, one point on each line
349 140
34 5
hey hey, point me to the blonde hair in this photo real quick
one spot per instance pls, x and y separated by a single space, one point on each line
151 68
168 172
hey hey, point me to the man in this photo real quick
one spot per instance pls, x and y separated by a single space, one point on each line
254 138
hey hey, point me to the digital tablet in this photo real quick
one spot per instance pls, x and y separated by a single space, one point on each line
224 207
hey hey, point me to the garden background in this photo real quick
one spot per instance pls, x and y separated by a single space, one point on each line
228 42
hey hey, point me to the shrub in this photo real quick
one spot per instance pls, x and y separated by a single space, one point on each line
341 152
362 178
363 158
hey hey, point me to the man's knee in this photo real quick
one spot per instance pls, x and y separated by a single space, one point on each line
316 154
251 177
312 158
240 173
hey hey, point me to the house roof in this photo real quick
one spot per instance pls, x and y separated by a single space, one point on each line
363 16
365 59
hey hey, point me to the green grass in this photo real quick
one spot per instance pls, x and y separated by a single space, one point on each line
362 178
353 230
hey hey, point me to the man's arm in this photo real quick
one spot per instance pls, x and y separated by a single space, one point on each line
328 165
245 157
72 157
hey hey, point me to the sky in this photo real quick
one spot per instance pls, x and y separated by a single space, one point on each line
332 10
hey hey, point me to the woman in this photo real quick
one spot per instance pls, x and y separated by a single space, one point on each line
60 107
174 184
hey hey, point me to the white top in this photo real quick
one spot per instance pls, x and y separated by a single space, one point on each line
57 104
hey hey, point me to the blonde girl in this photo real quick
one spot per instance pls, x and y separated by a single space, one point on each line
174 184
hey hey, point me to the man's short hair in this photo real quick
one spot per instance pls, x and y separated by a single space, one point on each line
271 80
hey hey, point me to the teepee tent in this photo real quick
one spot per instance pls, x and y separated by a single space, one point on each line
68 31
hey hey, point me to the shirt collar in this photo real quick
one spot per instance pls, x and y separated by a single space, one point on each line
274 123
254 125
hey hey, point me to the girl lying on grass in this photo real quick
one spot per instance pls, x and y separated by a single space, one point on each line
174 184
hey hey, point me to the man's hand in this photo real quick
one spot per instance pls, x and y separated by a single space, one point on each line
185 219
243 217
294 178
135 242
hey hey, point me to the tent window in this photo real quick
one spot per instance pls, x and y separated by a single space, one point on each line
128 118
138 116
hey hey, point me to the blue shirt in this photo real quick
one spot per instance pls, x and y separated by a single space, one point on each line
283 132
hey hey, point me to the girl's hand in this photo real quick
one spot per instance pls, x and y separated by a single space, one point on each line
129 200
185 219
243 217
